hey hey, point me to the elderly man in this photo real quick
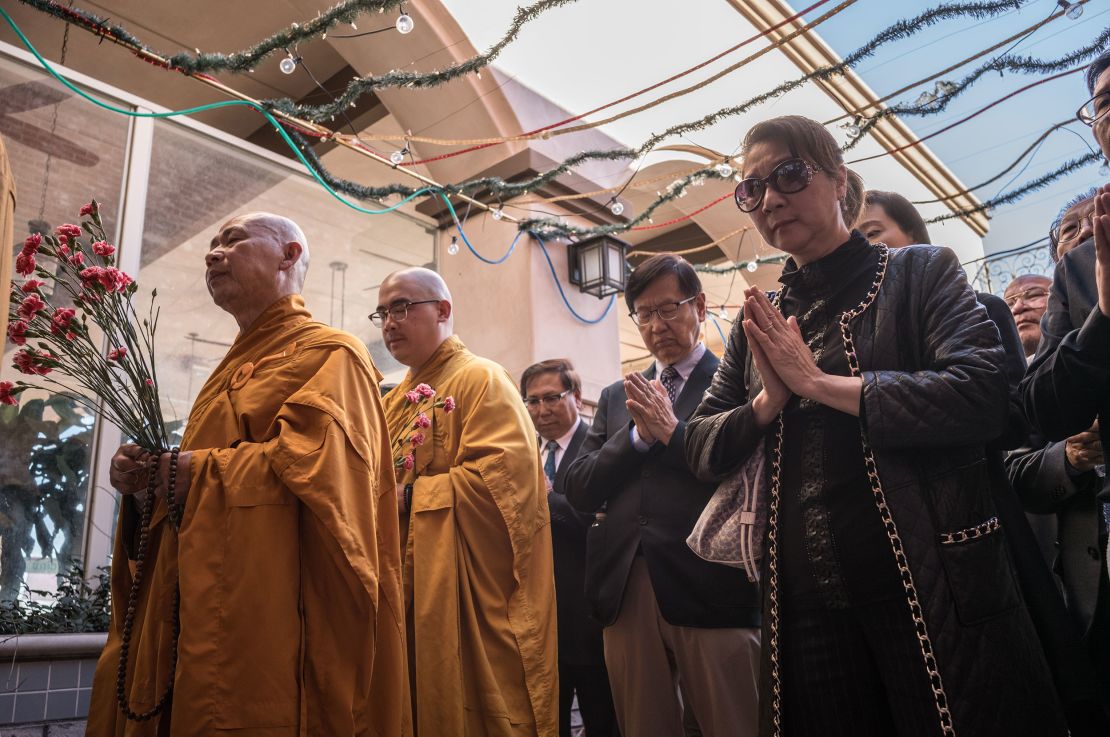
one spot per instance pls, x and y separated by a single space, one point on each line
479 588
670 617
552 392
1067 388
289 588
1027 298
1073 225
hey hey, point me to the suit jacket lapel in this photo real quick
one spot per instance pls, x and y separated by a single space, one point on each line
571 451
690 396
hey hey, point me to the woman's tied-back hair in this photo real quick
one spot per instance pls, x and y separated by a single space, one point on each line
809 140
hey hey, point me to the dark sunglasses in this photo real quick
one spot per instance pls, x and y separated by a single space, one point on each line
789 177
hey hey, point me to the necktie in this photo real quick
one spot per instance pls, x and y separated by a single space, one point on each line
669 379
549 464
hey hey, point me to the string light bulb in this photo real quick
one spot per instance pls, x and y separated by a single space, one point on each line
497 214
288 65
398 156
853 128
405 24
724 169
752 266
617 207
1071 10
453 246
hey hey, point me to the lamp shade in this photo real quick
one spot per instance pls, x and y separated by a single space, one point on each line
598 265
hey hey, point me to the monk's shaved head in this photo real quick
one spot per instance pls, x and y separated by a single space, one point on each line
254 260
422 301
424 283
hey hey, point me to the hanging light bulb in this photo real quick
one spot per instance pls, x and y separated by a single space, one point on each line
925 99
1071 10
404 24
497 214
453 246
752 266
724 169
288 65
852 128
398 156
617 207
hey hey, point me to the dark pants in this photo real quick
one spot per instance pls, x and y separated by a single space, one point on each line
855 672
595 702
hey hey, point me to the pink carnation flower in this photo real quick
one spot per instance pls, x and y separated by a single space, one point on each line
449 405
25 263
31 306
32 285
417 439
422 421
77 259
17 332
117 353
425 391
68 230
412 397
60 320
103 248
87 209
409 462
31 245
6 396
30 361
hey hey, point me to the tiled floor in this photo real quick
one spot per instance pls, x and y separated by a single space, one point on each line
47 690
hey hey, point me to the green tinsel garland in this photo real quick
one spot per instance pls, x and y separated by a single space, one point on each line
898 31
1042 181
1020 64
241 61
363 85
739 266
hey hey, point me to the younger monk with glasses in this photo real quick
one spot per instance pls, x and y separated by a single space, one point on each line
478 581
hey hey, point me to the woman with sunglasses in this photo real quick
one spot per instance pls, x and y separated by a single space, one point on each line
870 383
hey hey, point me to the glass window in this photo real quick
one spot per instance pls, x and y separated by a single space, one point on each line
196 184
63 151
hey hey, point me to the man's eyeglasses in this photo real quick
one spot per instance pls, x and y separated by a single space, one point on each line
549 400
1028 296
668 311
397 311
1070 229
1094 108
789 177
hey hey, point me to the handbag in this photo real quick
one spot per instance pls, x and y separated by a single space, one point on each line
731 528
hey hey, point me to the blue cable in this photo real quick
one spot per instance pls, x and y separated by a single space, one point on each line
201 108
559 286
315 175
724 340
462 234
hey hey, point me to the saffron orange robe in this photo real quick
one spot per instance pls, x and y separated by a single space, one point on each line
288 555
479 581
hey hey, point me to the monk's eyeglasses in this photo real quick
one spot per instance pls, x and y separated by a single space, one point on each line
398 312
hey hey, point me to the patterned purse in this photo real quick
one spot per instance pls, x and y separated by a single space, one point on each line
730 529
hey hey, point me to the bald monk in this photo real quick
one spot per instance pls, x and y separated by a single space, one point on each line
479 582
288 553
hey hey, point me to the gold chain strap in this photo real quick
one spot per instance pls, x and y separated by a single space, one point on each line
971 533
912 599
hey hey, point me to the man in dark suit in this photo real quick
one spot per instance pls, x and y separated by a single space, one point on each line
1067 393
670 617
552 392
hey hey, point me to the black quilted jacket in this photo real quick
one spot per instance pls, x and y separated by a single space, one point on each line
934 394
